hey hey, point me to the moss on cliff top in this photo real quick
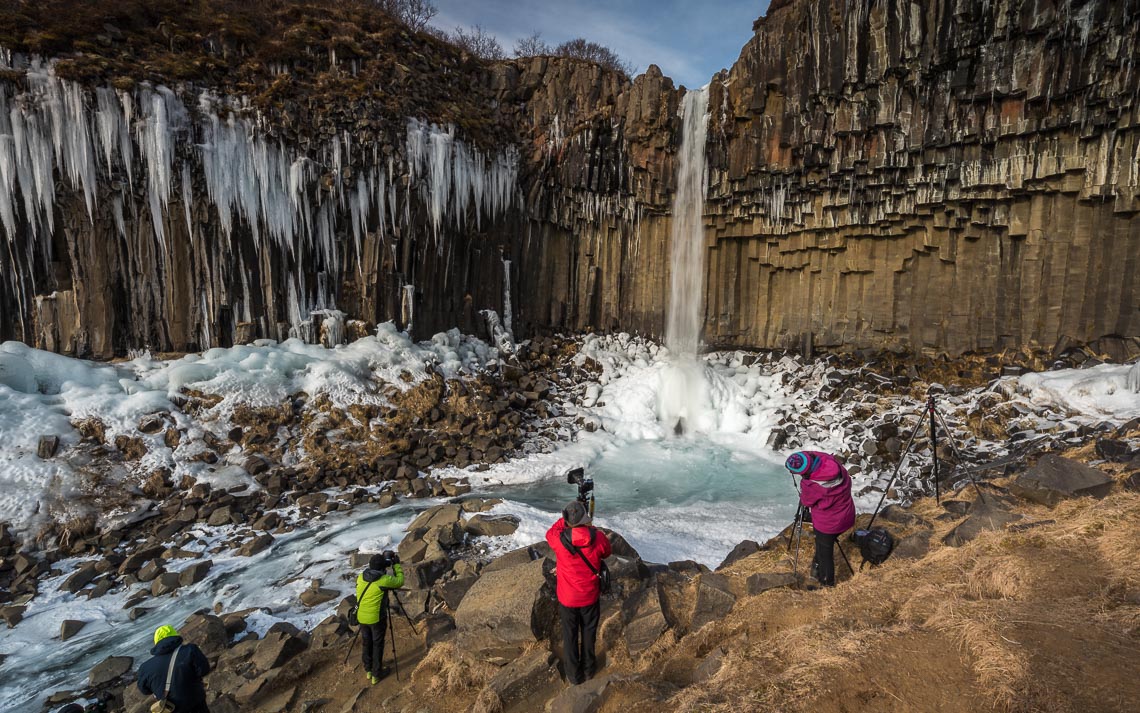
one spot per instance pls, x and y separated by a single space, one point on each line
303 60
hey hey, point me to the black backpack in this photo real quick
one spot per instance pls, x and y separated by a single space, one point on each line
875 545
602 572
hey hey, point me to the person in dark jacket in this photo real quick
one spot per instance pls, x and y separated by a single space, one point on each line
187 689
372 587
578 588
826 491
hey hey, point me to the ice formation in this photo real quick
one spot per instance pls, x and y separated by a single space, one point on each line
91 141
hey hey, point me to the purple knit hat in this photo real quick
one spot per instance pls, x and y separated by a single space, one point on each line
798 463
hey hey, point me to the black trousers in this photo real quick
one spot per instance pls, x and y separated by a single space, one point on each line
579 633
825 558
373 645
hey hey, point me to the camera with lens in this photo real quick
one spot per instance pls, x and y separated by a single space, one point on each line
390 558
577 476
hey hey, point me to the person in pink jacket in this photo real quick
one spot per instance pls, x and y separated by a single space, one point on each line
826 492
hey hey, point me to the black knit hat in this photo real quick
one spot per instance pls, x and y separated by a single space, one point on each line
377 562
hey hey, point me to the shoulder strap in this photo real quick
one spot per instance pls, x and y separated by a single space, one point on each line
566 542
170 672
366 586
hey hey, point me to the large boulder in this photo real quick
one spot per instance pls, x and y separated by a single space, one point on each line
763 581
276 649
645 620
519 680
194 573
984 516
109 669
438 516
714 600
492 525
520 556
506 611
207 631
742 550
69 628
1055 478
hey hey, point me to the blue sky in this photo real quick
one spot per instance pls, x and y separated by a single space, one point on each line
688 39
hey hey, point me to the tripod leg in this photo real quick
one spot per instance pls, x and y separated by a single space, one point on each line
799 540
795 523
958 454
351 646
392 636
845 560
934 450
898 467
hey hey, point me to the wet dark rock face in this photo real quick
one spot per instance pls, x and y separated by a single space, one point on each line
956 176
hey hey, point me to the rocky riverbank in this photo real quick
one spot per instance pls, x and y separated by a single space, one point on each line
169 537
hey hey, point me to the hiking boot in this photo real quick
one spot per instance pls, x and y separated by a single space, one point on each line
372 679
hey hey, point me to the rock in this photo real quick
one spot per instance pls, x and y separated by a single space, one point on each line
315 597
136 560
422 575
412 548
206 630
194 573
742 550
12 615
713 602
80 578
69 628
152 423
645 620
957 507
763 581
165 583
109 669
913 546
150 570
522 678
276 649
1132 483
505 611
452 591
1113 450
900 515
219 517
256 545
267 522
440 515
255 465
456 489
522 555
277 701
983 517
1055 478
585 698
492 526
437 627
48 447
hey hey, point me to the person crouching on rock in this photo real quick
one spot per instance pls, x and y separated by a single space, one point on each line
372 587
579 549
826 492
174 674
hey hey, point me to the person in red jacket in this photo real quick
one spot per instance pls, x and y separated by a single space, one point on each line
575 542
826 491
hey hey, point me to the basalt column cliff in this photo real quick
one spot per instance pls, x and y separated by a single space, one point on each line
946 175
956 175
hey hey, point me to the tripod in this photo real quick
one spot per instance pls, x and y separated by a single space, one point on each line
935 418
384 606
797 531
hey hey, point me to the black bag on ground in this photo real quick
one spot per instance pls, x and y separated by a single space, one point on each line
875 545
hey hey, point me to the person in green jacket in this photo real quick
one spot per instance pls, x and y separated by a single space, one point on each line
372 587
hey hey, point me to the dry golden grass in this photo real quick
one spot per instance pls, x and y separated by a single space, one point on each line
448 671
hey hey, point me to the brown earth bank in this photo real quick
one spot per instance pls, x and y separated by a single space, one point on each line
1012 594
955 177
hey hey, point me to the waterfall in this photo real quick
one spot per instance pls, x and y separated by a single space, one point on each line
687 259
683 399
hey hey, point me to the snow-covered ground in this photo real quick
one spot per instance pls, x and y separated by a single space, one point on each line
43 394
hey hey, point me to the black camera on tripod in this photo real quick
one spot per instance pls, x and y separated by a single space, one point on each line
577 476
